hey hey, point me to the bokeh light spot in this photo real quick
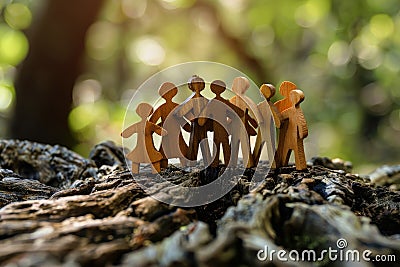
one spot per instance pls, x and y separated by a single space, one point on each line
134 9
381 26
87 114
310 13
339 53
18 16
6 98
394 119
149 51
13 46
87 91
102 40
174 4
375 99
263 35
370 57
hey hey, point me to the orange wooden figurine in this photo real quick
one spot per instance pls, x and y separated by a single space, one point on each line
239 87
198 134
284 89
172 145
144 152
296 131
266 131
219 110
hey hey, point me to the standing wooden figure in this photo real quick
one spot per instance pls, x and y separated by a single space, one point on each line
219 110
198 134
144 152
296 131
239 87
284 89
172 145
266 131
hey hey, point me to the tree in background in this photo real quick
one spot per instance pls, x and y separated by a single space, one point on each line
46 78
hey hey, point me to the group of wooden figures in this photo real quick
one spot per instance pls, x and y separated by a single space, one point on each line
233 121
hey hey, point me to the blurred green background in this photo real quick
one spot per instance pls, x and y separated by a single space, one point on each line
345 56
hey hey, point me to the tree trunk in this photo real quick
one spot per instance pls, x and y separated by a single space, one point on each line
46 78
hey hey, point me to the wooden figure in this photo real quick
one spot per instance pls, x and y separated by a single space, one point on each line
219 110
172 145
285 88
266 131
239 87
296 131
198 134
144 152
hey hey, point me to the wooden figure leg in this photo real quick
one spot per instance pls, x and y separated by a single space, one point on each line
184 150
279 155
205 148
215 162
300 158
247 156
135 167
272 147
193 145
227 151
163 164
164 161
258 148
271 159
156 167
286 156
234 152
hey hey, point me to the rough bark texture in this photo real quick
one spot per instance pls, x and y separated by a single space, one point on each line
64 210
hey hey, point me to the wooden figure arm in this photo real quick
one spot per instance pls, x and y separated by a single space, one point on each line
155 116
184 109
250 130
190 116
130 130
158 130
187 127
284 115
302 126
236 109
260 107
277 116
252 121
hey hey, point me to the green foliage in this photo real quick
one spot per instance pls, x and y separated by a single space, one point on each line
344 55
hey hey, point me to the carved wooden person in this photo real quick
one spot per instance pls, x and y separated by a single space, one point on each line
270 117
219 110
198 133
296 131
239 87
172 145
144 152
284 89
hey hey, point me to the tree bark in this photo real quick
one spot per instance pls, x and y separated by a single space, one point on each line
46 78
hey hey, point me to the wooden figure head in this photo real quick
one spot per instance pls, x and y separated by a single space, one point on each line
240 85
218 87
268 91
196 84
144 110
167 90
286 87
296 97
